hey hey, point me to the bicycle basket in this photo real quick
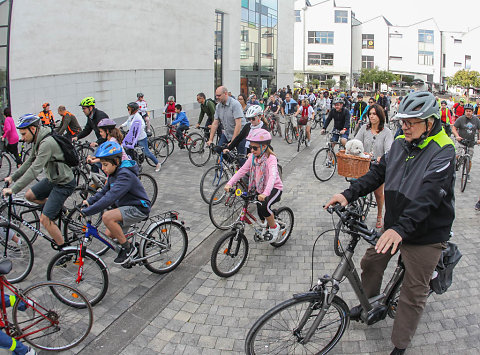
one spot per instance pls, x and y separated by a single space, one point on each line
351 166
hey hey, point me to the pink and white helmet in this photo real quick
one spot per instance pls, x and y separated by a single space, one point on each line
259 136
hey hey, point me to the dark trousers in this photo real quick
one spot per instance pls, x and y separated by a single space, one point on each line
264 210
179 132
13 148
420 262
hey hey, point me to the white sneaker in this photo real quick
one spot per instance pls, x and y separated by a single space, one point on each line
307 143
158 167
31 351
274 233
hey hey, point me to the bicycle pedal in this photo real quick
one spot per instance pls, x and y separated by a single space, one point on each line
127 265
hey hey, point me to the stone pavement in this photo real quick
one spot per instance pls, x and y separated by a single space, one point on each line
193 311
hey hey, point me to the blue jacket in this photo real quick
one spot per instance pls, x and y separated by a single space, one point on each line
182 119
123 188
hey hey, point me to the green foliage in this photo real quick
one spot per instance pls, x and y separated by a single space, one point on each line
315 82
343 84
370 76
465 79
330 83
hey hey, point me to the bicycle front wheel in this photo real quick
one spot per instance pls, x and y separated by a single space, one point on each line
159 148
19 251
165 247
27 213
229 254
285 218
150 186
289 133
93 282
283 328
51 324
210 180
324 164
224 207
5 166
198 152
465 172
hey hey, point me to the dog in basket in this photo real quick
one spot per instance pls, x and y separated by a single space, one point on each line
355 147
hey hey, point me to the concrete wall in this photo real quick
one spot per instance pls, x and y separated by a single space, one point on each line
286 32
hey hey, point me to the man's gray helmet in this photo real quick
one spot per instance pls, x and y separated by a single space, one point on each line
338 100
421 104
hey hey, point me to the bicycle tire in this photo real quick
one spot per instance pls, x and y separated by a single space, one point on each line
285 217
5 166
273 127
170 143
224 207
152 131
323 163
198 152
281 329
208 184
65 320
161 236
159 148
289 133
231 245
151 184
392 299
465 172
63 267
21 255
300 139
30 216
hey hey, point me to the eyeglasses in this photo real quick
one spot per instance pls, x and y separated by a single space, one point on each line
254 147
409 124
252 118
370 102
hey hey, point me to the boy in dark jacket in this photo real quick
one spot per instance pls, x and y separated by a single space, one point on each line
122 189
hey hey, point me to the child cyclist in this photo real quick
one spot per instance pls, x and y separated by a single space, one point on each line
122 189
264 178
109 132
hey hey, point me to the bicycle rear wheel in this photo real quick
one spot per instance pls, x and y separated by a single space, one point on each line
19 251
159 148
64 267
281 330
150 186
229 254
198 152
51 324
289 133
465 172
224 207
5 166
284 216
210 180
324 164
165 246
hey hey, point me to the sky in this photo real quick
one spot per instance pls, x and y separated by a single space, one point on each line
450 15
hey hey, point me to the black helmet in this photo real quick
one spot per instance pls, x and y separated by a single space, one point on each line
468 107
139 95
133 105
421 104
443 102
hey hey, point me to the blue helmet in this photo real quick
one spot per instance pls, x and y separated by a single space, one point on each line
109 150
28 120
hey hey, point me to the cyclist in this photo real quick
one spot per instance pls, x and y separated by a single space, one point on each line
136 133
46 115
169 110
69 123
466 128
52 191
274 107
142 109
183 125
458 108
94 116
264 178
446 117
321 106
123 190
308 115
358 110
207 107
419 177
341 121
384 102
290 107
110 133
10 136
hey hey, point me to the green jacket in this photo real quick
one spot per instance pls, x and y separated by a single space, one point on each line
208 107
45 154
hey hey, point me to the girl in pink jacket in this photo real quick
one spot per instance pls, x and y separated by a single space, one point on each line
10 136
264 178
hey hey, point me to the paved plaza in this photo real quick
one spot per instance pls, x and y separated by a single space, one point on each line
193 311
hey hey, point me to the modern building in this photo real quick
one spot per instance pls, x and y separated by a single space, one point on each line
60 52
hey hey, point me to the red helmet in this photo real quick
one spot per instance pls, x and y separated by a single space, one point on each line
45 105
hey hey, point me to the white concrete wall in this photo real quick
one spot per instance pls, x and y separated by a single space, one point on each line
285 56
378 27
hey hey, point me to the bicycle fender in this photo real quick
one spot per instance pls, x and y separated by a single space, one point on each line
154 224
92 254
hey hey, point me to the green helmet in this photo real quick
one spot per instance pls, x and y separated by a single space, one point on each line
88 101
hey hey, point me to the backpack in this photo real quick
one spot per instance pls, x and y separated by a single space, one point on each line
443 274
69 152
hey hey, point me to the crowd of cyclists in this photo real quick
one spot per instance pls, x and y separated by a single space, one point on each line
410 134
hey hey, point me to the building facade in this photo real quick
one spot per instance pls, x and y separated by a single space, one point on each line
112 50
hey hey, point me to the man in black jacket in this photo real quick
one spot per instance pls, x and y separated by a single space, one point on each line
94 116
383 101
419 177
341 121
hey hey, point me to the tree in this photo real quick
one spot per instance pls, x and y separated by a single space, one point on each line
343 84
465 78
374 75
315 82
330 83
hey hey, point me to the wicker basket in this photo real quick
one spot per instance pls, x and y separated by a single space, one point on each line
352 166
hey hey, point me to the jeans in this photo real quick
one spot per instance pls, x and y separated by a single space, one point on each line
144 144
6 342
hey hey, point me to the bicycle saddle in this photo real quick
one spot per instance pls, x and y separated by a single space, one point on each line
5 266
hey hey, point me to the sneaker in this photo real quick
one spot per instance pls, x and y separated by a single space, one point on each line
124 255
274 233
397 351
307 143
31 351
477 206
158 167
468 178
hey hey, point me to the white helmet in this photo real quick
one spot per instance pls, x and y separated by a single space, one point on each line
253 111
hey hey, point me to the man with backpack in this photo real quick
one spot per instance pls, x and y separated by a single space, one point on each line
207 107
50 153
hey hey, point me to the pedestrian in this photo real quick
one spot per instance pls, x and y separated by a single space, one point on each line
10 136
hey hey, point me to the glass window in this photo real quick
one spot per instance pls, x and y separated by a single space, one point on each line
245 4
218 49
457 41
457 64
4 23
395 58
320 58
367 41
468 62
444 57
425 36
396 35
341 16
425 58
298 18
367 62
320 37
